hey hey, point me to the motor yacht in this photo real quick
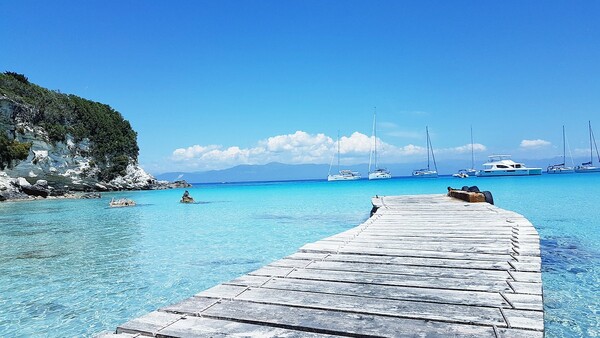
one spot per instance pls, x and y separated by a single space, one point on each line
502 165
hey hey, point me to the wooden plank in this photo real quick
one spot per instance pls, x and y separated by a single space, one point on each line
377 306
398 280
430 271
439 262
207 327
329 248
431 295
150 323
341 323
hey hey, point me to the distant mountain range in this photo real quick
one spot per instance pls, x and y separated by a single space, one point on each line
289 172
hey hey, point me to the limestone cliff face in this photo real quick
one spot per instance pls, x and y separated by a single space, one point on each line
69 162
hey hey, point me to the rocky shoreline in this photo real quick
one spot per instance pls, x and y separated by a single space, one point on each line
20 189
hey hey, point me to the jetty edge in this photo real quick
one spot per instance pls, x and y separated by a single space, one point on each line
421 265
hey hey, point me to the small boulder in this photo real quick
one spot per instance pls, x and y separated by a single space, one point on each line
23 182
33 190
41 183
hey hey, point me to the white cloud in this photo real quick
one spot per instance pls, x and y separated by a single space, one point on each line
357 143
299 147
302 147
300 141
477 148
534 144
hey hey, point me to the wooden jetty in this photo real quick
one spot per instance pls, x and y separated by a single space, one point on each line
426 265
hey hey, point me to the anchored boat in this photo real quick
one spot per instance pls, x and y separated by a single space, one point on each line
464 173
502 165
342 175
427 172
588 167
378 173
561 168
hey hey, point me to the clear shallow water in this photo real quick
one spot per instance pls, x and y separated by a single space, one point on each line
76 267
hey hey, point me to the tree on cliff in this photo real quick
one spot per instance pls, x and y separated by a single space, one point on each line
12 150
113 143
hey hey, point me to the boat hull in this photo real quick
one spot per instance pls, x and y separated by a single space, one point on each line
561 170
342 178
587 169
379 176
510 172
344 175
425 174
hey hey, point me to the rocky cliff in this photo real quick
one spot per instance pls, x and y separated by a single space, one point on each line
52 143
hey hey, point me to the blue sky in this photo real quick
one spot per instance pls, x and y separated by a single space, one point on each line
208 85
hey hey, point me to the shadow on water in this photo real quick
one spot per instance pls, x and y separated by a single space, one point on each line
566 254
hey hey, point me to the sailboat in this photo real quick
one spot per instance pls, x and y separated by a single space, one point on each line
378 173
342 175
464 173
588 167
427 172
561 168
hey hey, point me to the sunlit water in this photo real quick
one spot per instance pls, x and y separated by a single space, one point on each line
77 267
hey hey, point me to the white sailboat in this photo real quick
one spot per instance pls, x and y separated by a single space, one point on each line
464 173
561 168
427 172
378 173
342 175
588 167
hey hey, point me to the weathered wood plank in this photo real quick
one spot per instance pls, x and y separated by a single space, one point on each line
330 248
150 323
207 327
399 280
377 306
431 271
464 297
439 262
343 323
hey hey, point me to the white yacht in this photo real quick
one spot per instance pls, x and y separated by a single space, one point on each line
502 165
427 172
342 175
462 173
561 168
589 167
378 173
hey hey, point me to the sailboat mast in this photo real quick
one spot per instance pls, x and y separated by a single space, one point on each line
591 153
338 142
375 134
427 132
472 156
375 146
432 154
593 138
564 148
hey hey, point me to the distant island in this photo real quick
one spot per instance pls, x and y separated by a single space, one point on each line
275 171
53 143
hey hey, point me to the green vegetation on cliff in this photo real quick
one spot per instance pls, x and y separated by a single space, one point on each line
12 150
112 140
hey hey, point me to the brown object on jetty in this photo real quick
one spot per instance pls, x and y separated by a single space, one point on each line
468 196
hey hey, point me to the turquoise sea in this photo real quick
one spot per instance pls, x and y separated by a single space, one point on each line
76 267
